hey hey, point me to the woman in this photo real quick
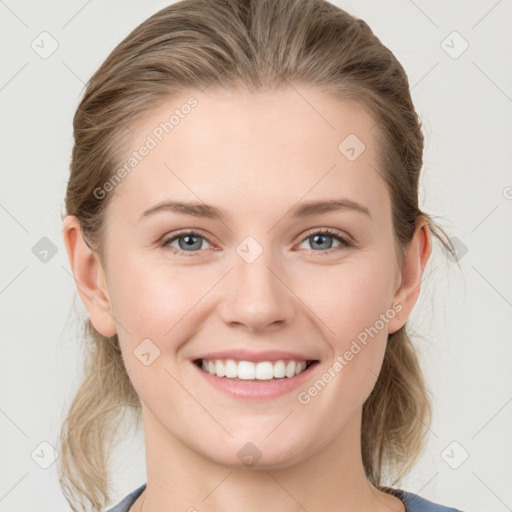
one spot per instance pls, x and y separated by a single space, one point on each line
244 230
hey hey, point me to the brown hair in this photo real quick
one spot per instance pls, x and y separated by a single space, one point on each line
260 45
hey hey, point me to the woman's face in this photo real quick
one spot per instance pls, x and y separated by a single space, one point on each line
255 277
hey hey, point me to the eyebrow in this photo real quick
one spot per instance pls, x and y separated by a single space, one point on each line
302 210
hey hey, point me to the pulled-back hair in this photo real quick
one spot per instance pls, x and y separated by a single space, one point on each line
260 45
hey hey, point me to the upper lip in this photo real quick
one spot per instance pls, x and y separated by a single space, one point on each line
248 355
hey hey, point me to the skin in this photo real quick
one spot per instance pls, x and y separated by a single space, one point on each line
255 156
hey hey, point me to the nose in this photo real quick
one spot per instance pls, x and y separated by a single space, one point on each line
256 295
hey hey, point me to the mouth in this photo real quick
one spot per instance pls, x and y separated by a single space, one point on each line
249 371
255 381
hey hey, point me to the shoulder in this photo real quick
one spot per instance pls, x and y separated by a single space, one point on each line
128 501
415 503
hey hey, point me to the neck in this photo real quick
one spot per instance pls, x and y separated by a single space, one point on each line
330 479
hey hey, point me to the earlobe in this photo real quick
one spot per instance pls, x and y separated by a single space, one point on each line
416 255
89 277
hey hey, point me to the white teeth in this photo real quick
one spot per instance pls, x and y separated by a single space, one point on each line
247 370
219 369
279 369
264 371
231 369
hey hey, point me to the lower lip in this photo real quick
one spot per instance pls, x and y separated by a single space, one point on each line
251 389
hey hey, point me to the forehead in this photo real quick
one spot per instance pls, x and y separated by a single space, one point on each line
241 149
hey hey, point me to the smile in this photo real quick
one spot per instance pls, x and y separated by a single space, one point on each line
263 380
248 370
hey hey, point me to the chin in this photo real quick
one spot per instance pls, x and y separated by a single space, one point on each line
258 455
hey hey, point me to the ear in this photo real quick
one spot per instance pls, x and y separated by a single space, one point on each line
416 255
89 277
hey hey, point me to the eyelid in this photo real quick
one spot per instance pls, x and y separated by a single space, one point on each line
331 232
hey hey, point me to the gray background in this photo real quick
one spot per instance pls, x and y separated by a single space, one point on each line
463 320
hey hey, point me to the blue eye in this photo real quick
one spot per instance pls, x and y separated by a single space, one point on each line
318 238
190 242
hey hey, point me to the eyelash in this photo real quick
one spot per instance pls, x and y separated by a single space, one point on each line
345 242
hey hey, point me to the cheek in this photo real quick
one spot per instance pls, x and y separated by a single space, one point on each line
364 318
353 306
153 302
348 298
150 299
